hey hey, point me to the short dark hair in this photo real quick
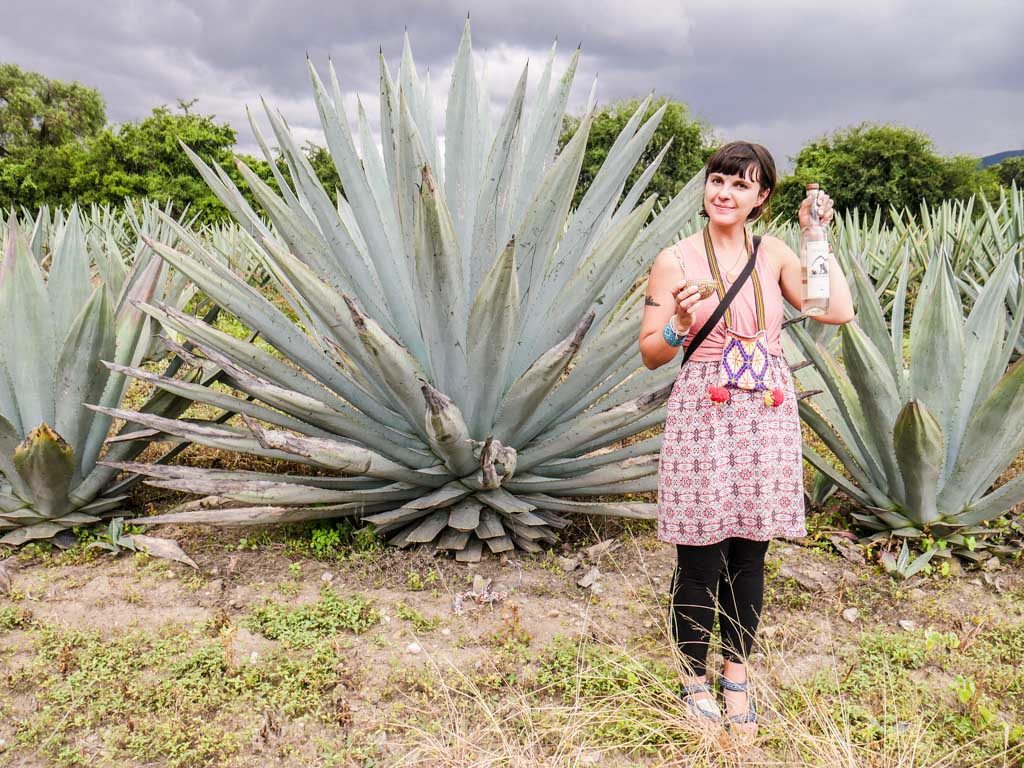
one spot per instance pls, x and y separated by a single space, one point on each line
749 160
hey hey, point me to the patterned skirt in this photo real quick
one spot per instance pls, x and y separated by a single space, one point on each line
730 469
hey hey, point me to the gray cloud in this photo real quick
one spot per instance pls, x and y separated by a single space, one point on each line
781 72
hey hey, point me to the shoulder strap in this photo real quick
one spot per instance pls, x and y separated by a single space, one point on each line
723 305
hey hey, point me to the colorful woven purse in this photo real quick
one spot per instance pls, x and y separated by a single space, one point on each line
745 359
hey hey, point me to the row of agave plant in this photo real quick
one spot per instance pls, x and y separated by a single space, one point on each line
457 358
70 285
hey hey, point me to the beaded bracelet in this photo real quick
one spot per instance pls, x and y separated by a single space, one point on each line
672 338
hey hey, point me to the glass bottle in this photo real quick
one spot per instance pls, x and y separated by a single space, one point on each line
814 260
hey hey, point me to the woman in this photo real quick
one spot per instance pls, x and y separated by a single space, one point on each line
730 475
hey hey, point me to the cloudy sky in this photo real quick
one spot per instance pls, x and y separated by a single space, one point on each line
776 71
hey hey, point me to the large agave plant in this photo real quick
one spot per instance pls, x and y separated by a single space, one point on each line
465 359
58 323
922 441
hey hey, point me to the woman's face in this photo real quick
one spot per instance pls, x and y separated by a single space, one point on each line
729 199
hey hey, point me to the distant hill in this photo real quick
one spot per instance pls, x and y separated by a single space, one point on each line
988 160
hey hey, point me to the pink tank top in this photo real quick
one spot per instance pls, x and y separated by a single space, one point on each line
694 264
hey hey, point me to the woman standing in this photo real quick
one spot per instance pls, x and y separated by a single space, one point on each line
730 476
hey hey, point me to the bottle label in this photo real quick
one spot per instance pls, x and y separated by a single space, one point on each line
817 270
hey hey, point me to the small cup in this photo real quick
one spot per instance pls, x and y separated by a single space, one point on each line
706 287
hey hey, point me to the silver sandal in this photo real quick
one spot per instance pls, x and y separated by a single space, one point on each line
750 716
706 708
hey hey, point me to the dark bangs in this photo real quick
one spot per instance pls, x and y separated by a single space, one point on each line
749 161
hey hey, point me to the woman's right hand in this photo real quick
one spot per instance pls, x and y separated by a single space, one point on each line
686 303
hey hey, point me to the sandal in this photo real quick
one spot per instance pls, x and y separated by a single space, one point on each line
750 716
706 708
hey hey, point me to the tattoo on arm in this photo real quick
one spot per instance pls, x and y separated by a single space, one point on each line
649 302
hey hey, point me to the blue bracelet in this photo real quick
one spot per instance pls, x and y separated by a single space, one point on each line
670 336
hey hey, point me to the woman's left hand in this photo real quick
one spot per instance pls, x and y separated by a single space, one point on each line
825 212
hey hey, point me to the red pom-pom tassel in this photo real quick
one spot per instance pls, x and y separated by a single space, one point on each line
718 395
777 397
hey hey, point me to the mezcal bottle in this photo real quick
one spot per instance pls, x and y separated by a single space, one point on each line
814 260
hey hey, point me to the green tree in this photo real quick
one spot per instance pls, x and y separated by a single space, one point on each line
36 111
691 145
1010 171
879 165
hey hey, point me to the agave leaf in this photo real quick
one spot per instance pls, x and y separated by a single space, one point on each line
587 285
286 494
447 432
30 346
80 375
576 466
504 502
347 457
920 451
866 364
248 304
871 320
397 289
265 515
628 469
631 510
132 338
992 505
530 390
262 364
464 142
19 536
399 371
984 334
544 222
937 343
388 123
493 220
67 284
182 472
166 549
837 477
595 364
9 440
46 464
493 329
828 435
227 193
544 130
589 426
994 437
439 296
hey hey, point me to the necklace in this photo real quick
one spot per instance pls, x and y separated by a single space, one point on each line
733 272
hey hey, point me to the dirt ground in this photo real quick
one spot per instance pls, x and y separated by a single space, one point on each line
413 670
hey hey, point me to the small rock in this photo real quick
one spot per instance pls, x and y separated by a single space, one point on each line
770 630
568 564
446 632
553 614
851 614
479 584
917 594
847 549
380 737
254 657
975 582
602 548
648 625
385 619
413 648
503 560
216 586
849 577
992 564
812 582
590 578
907 624
327 576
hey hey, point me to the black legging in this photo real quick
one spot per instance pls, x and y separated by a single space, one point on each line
731 571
